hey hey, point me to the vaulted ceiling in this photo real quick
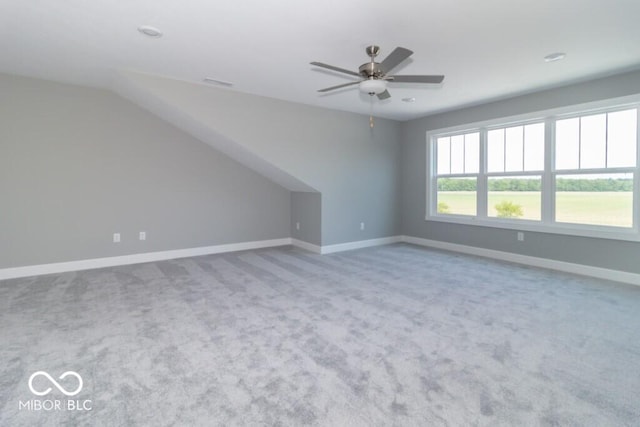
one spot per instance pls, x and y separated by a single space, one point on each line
487 49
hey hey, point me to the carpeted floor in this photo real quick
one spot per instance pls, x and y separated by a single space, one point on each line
392 335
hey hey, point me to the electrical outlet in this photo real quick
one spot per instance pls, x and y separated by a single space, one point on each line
116 237
142 235
297 226
362 226
520 236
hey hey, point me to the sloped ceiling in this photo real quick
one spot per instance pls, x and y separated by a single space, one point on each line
173 101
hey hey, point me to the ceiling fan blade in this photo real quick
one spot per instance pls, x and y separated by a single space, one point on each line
384 95
327 89
338 69
395 58
417 79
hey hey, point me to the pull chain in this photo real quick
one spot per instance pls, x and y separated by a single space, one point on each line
371 112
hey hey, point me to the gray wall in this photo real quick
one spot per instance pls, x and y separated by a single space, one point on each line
78 164
306 210
620 255
362 184
355 168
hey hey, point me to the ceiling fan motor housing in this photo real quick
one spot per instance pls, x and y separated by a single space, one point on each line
371 70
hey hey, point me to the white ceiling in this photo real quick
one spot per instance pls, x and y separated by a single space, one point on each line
487 49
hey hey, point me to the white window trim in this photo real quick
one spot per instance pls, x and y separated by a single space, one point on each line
545 225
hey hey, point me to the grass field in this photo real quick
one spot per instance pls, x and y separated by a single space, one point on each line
601 208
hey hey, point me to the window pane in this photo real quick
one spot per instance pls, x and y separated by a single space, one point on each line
495 150
568 144
534 147
515 197
457 196
443 149
472 153
621 138
457 154
602 199
514 149
593 141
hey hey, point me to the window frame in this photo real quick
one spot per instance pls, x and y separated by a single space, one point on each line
547 223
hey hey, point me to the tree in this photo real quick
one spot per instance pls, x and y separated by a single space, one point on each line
456 184
507 209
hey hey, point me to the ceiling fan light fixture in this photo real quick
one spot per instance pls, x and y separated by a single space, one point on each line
372 86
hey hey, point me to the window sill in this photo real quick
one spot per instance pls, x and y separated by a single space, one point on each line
611 233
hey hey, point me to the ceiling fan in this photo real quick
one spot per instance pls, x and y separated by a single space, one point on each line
375 74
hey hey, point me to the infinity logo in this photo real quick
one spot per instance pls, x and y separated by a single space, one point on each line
58 386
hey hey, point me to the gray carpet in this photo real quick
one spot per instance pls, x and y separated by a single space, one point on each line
393 335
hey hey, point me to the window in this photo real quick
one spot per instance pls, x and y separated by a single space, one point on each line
599 199
517 197
564 173
515 149
457 173
595 163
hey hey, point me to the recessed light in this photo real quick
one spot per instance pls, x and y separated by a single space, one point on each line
150 31
552 57
409 99
216 81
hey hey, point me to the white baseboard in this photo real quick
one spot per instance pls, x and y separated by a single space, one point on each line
61 267
568 267
306 246
359 244
348 246
87 264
